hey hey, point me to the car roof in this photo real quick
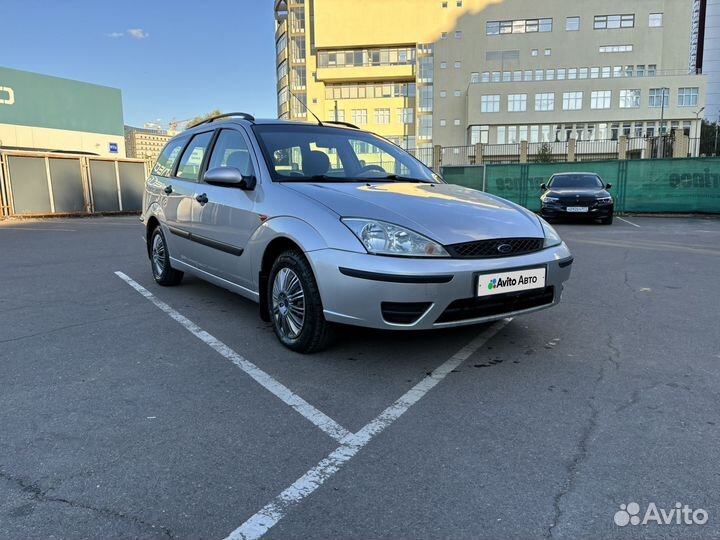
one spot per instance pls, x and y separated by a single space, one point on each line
260 122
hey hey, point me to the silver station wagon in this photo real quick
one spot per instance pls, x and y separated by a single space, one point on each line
326 223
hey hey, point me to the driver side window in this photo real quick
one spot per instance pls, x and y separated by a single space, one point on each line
231 151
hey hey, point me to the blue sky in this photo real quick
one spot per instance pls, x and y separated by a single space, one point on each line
170 59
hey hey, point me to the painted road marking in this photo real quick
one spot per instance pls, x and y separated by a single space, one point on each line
255 527
287 396
629 222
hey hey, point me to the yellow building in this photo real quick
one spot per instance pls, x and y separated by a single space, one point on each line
146 143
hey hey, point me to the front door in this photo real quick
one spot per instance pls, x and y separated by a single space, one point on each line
223 217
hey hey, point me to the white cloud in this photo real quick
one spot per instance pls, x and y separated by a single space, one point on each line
137 33
115 35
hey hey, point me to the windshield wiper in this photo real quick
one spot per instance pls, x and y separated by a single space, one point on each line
397 178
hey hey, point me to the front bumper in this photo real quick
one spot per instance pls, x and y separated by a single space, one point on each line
354 287
594 212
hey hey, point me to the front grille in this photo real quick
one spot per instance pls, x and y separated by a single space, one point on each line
488 306
578 201
486 249
403 312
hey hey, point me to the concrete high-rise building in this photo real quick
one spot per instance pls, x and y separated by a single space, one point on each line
459 72
711 59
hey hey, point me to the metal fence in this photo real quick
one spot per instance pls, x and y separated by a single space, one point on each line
687 185
37 184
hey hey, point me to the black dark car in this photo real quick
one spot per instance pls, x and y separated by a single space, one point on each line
577 195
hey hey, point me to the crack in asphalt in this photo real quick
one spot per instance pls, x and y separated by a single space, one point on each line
39 495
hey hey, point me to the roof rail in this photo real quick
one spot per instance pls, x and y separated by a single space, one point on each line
244 116
338 123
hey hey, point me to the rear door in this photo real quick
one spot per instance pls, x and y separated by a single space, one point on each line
223 225
183 190
160 191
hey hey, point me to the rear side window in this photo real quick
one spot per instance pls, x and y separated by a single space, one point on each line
192 158
231 151
168 157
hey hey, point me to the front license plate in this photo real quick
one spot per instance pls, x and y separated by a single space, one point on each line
577 209
505 282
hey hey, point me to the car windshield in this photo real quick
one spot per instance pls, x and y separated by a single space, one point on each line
581 181
308 153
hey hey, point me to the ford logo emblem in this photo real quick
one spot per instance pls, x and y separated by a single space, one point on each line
504 248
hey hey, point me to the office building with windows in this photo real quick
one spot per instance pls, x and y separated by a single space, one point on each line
461 72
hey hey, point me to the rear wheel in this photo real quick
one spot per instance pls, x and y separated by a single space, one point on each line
295 306
162 270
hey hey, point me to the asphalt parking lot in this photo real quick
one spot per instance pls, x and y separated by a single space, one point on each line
136 411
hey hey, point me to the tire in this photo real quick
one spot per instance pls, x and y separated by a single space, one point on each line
608 220
162 270
296 310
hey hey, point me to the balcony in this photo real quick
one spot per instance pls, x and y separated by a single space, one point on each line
398 72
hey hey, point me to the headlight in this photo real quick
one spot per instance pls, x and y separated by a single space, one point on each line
605 200
381 238
550 200
552 238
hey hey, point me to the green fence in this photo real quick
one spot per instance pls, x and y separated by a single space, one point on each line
659 185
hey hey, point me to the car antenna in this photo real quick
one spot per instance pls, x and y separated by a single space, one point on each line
306 107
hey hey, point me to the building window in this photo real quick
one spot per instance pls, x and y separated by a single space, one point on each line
583 73
425 131
459 3
688 97
444 5
651 70
603 22
539 75
479 134
457 93
572 24
545 102
520 26
458 64
359 117
629 99
534 52
656 97
561 74
656 20
458 34
443 123
517 103
548 52
572 101
601 99
606 72
382 116
443 93
495 76
425 70
406 115
425 99
444 35
490 104
338 115
550 75
475 77
616 48
443 65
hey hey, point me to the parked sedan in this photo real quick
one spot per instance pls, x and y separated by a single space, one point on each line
577 195
325 224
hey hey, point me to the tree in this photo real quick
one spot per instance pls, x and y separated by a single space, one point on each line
195 121
708 133
544 154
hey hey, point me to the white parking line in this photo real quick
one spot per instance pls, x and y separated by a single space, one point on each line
629 222
320 419
273 512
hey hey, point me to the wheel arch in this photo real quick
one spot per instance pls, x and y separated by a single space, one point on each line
272 251
152 224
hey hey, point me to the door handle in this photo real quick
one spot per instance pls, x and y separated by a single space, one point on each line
168 189
202 199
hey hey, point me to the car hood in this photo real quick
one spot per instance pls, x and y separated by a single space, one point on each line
571 192
446 213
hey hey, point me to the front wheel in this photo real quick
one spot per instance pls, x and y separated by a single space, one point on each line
162 270
295 305
608 220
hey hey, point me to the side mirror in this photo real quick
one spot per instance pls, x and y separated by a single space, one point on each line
230 177
608 186
543 186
